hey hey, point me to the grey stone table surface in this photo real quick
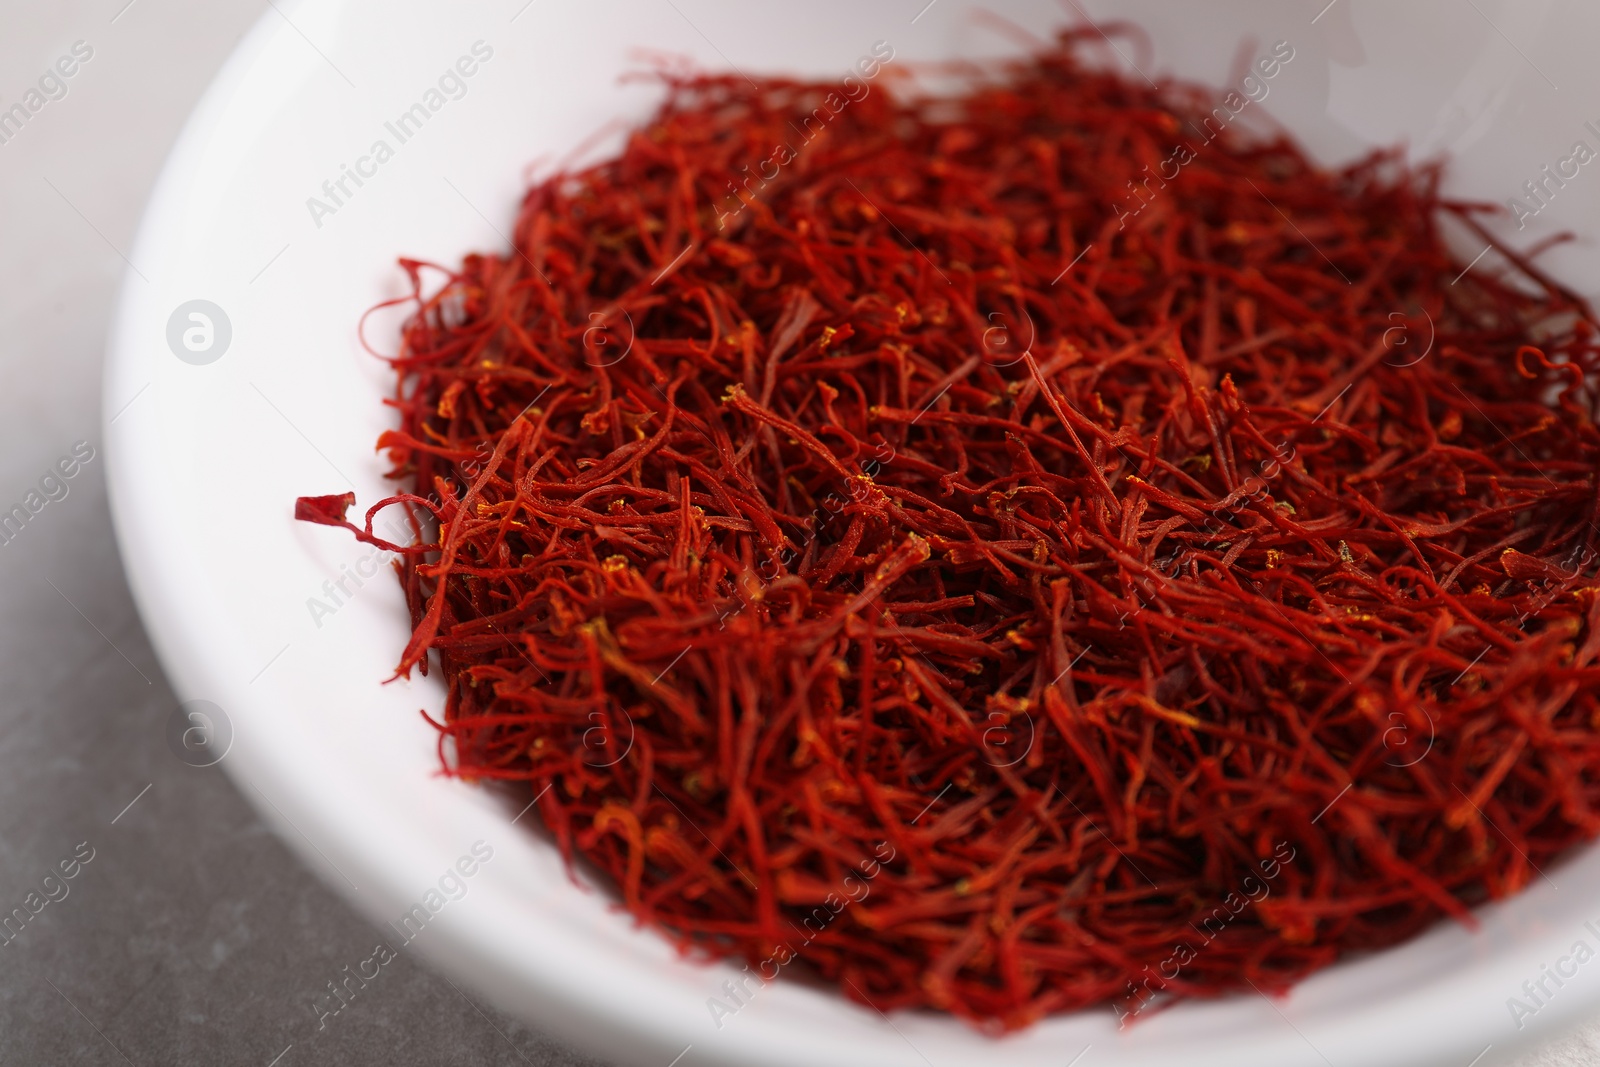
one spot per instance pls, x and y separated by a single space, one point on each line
188 933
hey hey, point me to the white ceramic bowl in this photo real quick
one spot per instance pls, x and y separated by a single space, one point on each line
206 459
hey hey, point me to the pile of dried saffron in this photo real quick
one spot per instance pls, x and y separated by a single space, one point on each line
897 554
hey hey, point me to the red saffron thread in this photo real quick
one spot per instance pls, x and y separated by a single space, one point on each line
1086 562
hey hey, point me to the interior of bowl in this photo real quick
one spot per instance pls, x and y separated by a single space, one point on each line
292 630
